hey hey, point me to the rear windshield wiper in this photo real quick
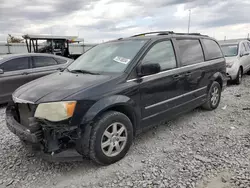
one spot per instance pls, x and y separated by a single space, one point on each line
83 71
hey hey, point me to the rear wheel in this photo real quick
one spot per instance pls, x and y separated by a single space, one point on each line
213 97
239 77
111 138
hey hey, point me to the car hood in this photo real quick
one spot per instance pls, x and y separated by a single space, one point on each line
57 86
231 59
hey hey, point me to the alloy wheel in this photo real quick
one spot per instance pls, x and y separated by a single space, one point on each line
215 96
114 139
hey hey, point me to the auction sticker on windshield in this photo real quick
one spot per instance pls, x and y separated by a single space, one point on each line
121 60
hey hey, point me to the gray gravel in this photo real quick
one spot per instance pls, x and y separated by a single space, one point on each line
199 149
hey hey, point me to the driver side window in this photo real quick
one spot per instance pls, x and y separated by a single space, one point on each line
243 48
162 53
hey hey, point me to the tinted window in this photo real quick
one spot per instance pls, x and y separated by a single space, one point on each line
213 49
61 61
15 64
191 51
43 61
162 53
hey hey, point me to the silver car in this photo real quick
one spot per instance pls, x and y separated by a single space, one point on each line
18 69
237 54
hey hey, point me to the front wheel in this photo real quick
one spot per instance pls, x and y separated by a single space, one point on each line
111 138
213 97
239 77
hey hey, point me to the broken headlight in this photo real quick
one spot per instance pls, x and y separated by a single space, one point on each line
55 111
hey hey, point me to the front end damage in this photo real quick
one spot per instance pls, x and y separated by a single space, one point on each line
48 139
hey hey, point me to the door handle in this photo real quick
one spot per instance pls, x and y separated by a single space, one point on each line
177 76
25 73
188 74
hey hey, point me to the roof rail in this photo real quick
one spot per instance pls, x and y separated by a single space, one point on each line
155 32
190 34
167 33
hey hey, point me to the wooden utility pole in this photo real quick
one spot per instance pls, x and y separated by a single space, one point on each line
189 20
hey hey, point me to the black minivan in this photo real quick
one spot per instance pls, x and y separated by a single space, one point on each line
113 91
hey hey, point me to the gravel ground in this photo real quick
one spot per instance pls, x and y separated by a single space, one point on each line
199 149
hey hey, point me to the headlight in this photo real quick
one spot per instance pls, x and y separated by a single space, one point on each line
230 64
55 111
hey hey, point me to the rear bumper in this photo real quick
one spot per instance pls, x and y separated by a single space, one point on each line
21 131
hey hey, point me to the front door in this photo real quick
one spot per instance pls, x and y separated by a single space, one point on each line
247 47
16 73
159 91
244 57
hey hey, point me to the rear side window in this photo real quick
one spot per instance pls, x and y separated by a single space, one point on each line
61 61
15 64
43 61
191 51
162 53
213 50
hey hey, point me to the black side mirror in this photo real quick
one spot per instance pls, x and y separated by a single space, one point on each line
1 71
148 69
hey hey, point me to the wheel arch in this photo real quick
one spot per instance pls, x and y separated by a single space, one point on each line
241 67
218 77
118 103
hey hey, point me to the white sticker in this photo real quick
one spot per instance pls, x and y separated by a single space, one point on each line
121 60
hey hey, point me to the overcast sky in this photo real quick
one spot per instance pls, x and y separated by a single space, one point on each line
101 20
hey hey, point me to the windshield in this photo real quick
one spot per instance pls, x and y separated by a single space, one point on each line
108 57
230 50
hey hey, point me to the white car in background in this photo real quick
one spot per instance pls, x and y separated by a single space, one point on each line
237 54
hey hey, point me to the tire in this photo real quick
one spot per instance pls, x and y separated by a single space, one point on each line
211 102
102 129
239 77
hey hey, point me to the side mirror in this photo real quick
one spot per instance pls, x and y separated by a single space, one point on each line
148 69
1 71
244 54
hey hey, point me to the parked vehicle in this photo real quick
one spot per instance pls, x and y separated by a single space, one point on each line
237 54
117 89
18 69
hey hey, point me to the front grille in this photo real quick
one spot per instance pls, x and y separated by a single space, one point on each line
25 112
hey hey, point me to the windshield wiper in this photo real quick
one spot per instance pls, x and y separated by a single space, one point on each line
83 72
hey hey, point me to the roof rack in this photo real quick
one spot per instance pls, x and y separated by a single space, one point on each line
166 33
190 34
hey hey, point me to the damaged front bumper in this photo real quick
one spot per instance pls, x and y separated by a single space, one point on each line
52 141
23 132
